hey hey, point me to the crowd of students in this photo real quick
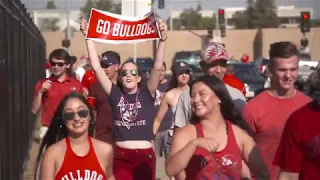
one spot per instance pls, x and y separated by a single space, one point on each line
204 128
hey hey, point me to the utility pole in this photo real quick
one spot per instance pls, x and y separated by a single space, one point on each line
68 24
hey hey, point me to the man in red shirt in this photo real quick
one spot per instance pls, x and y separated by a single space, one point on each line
268 112
233 81
88 79
298 153
49 92
110 63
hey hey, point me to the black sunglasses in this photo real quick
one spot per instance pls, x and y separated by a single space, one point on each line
126 72
68 116
188 72
60 64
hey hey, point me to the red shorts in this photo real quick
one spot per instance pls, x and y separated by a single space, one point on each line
134 164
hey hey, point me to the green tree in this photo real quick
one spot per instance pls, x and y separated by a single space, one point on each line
51 5
315 23
259 14
191 19
105 5
49 24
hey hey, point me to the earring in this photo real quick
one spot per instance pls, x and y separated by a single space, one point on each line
219 101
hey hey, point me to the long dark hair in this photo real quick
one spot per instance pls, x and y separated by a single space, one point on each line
57 129
227 107
174 81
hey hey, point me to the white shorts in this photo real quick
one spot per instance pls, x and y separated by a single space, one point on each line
43 131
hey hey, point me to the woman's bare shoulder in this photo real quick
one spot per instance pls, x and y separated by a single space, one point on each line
102 147
55 149
186 131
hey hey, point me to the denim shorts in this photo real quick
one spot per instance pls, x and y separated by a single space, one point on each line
162 144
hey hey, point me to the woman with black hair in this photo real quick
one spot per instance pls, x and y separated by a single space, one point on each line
179 82
133 112
215 143
70 152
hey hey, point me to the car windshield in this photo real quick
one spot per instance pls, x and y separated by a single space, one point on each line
197 56
265 62
145 63
305 57
248 70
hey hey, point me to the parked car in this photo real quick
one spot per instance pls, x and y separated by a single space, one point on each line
306 67
261 64
313 83
190 57
251 77
144 64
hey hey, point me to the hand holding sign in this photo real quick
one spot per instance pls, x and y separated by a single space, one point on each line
84 27
163 29
113 28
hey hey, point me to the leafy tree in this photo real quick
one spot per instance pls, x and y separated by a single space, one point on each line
51 5
49 24
266 14
190 18
259 14
105 5
315 23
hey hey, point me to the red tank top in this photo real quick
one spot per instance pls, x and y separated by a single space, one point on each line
80 167
222 165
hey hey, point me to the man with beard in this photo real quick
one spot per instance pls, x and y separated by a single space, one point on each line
268 112
49 92
110 62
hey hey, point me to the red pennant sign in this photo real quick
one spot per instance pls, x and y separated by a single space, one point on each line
112 28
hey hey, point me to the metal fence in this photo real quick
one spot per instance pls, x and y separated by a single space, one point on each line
22 63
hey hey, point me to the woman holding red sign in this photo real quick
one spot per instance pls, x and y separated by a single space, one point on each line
133 112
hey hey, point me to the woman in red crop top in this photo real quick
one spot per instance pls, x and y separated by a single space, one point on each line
218 139
70 152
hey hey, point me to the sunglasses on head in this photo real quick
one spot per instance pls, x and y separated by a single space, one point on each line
124 73
60 64
68 116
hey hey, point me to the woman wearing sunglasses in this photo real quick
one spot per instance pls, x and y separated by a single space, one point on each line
215 143
70 152
133 112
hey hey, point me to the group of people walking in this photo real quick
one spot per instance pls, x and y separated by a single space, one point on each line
204 128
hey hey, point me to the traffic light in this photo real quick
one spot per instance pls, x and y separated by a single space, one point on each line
161 4
66 43
304 42
222 22
305 22
210 31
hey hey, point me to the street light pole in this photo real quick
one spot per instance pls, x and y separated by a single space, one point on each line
68 24
135 44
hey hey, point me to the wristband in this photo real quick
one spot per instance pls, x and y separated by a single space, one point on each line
163 40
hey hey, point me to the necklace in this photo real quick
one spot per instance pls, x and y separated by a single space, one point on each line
134 112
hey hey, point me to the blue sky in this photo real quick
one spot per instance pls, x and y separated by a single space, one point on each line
178 5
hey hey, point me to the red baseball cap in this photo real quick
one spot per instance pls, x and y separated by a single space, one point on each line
213 52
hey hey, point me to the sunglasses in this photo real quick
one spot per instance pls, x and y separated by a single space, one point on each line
68 116
60 64
185 72
126 72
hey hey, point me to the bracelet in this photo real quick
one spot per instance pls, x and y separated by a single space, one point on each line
163 40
